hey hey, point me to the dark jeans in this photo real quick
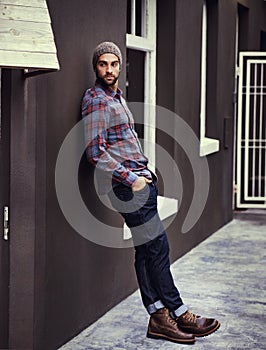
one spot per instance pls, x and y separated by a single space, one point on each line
152 264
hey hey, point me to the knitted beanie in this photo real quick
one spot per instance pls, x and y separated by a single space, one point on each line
106 47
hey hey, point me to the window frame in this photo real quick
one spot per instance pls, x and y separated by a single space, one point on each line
207 145
147 43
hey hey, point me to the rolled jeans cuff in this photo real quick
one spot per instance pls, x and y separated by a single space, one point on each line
181 310
152 308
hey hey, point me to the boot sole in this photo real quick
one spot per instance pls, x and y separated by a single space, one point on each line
201 334
209 332
174 340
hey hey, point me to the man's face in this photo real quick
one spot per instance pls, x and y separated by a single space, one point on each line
108 69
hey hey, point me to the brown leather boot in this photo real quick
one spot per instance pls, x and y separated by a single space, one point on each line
162 326
197 325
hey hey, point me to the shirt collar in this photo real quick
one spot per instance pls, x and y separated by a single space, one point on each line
109 91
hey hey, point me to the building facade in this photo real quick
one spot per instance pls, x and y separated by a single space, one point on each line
183 56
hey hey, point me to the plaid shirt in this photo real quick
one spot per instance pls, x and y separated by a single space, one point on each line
112 144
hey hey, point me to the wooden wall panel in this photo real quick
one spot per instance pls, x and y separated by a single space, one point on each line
26 36
24 13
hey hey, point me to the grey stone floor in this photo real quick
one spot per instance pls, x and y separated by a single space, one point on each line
224 277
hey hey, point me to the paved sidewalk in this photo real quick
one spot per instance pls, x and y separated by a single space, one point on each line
224 277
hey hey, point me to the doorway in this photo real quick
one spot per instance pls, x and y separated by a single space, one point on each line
251 131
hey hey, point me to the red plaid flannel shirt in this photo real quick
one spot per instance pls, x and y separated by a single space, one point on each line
112 144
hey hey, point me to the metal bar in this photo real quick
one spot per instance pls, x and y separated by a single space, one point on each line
255 199
254 205
256 147
264 141
260 132
239 132
247 125
257 139
252 60
254 86
254 134
252 93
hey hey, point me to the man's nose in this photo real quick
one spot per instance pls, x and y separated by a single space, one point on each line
109 68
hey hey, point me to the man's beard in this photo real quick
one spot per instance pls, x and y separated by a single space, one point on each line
103 82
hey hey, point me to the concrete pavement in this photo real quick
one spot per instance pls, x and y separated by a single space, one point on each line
223 277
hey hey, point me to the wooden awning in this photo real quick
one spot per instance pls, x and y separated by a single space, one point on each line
26 35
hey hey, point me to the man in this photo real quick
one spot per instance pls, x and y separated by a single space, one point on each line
114 148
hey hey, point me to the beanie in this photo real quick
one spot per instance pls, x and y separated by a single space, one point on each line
106 47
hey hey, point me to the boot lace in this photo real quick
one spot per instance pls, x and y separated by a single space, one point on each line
190 317
170 319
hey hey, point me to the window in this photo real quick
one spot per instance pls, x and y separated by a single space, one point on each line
141 84
141 37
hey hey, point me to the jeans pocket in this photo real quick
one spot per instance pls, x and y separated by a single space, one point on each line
142 196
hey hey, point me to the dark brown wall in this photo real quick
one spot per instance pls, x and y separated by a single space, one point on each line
75 268
22 211
183 92
60 282
178 87
165 88
82 280
4 201
257 17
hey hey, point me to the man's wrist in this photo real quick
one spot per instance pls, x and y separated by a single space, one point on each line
131 178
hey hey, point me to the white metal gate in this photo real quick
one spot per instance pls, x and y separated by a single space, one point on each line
251 131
